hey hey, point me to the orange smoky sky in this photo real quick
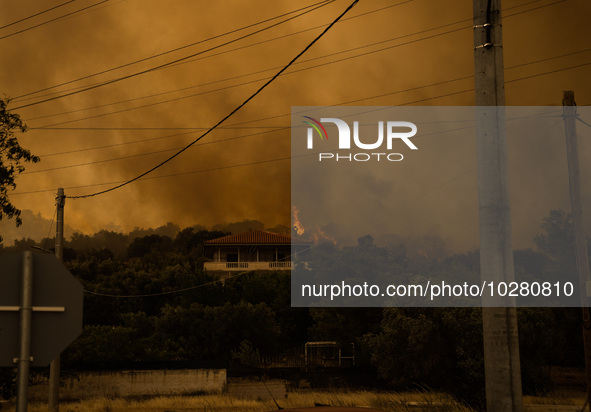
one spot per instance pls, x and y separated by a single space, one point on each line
174 69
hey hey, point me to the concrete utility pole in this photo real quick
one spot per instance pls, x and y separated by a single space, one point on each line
54 366
501 344
569 112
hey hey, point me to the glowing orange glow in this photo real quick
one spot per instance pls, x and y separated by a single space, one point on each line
321 236
297 225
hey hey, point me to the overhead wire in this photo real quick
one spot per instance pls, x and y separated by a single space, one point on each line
147 295
151 153
170 51
36 14
181 290
213 169
302 31
260 71
277 129
462 91
52 20
349 18
582 121
183 60
50 227
232 166
19 98
139 73
249 74
252 96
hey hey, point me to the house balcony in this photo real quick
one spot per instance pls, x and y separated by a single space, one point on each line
238 266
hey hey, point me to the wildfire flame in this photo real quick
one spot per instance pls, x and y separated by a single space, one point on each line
321 235
317 235
297 225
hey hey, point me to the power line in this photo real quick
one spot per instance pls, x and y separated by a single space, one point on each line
277 129
216 168
108 295
549 58
213 169
50 226
291 72
150 153
229 114
211 55
171 51
275 159
249 74
274 129
532 9
548 72
192 130
303 31
36 14
52 20
255 162
129 76
162 151
265 41
140 128
582 121
363 14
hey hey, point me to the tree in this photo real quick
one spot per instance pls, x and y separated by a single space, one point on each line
12 155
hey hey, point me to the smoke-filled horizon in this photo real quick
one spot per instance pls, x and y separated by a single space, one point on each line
417 52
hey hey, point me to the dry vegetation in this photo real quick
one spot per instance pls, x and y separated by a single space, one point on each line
387 401
222 403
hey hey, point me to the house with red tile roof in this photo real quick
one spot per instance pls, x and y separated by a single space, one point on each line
252 250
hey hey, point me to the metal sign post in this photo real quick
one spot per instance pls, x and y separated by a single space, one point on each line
25 333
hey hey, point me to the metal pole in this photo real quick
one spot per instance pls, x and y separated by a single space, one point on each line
26 310
569 112
54 366
501 344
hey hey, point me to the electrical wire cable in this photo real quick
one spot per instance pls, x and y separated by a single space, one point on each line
231 166
50 227
151 153
132 75
233 138
316 27
52 20
252 96
582 121
290 72
440 186
280 37
169 51
248 74
37 14
21 98
147 295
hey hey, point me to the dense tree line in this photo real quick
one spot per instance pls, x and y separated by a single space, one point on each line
182 314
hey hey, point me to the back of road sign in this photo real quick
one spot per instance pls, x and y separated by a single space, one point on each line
53 287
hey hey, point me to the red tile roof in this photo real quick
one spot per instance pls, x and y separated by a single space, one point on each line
255 237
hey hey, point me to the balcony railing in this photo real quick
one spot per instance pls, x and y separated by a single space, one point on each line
211 266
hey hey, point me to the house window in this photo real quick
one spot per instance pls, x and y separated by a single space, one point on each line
232 257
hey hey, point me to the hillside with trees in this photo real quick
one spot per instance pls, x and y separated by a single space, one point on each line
148 302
